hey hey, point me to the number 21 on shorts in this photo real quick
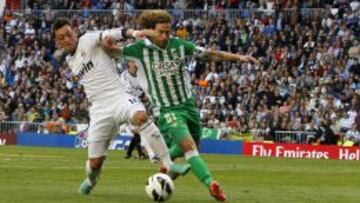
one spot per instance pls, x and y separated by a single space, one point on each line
170 118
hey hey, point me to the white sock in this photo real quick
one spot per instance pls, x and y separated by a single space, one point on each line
191 153
151 134
148 149
91 174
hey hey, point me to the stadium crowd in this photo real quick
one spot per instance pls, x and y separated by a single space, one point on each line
181 4
309 78
175 4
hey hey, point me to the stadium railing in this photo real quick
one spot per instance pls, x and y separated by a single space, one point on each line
182 14
16 127
298 137
29 127
47 127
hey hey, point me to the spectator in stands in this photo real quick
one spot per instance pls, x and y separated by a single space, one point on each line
42 130
328 137
181 31
3 116
266 5
353 135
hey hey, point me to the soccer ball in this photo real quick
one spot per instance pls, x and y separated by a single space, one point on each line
159 187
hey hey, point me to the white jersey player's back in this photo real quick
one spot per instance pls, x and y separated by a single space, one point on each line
94 68
131 84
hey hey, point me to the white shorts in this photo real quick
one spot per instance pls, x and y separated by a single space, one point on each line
98 149
106 117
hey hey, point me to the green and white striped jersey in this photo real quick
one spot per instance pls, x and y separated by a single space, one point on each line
164 75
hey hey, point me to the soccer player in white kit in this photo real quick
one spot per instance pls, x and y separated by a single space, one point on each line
129 79
110 105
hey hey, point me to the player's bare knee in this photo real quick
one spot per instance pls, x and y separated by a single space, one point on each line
140 117
96 163
188 144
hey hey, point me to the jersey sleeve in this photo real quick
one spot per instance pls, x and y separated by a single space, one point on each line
90 39
131 83
131 51
191 48
188 46
127 50
93 38
116 33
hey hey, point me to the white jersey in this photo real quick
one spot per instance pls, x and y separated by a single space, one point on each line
95 69
111 105
131 84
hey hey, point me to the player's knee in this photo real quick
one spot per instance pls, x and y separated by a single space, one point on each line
188 144
140 117
96 163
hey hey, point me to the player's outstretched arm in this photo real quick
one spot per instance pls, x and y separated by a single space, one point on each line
124 33
108 40
226 56
109 37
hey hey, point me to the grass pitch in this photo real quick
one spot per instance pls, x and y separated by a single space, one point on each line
29 174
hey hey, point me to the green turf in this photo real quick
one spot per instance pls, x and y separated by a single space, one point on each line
53 175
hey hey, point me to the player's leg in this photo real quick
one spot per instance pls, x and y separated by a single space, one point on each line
199 166
135 113
133 143
152 156
194 124
193 121
195 131
102 128
93 166
175 150
138 146
150 132
174 124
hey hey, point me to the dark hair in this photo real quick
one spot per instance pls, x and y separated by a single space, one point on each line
59 23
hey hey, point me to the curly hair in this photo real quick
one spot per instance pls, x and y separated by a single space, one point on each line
148 19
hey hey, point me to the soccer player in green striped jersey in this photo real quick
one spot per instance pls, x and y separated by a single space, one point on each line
160 60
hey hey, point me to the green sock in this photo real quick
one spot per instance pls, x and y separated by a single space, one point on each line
175 152
200 169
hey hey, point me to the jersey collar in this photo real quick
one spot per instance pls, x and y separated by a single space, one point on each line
152 45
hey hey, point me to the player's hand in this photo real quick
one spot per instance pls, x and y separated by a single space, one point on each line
141 34
248 58
254 60
108 42
109 45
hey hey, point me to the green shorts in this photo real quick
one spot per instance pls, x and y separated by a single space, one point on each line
179 122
